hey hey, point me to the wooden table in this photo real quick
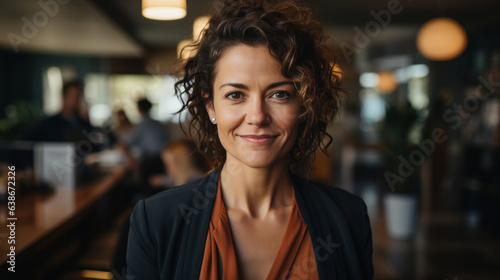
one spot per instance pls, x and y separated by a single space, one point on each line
43 218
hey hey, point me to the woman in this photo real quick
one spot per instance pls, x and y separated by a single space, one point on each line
261 91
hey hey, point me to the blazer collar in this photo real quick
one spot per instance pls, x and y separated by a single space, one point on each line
202 206
322 231
329 231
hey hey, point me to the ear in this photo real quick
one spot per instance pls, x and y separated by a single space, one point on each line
209 106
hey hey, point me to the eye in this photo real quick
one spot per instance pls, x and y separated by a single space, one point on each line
235 95
280 94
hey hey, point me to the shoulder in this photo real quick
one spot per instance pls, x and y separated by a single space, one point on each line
327 194
172 214
175 205
169 199
329 203
151 122
331 210
47 129
83 122
52 119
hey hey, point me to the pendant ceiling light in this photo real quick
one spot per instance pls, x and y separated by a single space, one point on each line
164 9
386 82
441 39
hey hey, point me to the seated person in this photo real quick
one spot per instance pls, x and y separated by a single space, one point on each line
124 127
183 163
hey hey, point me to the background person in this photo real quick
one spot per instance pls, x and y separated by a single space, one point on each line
148 138
183 163
123 126
66 126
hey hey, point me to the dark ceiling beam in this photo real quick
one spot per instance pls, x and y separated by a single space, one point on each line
116 14
406 17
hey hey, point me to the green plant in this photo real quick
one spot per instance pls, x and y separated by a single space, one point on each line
400 122
20 117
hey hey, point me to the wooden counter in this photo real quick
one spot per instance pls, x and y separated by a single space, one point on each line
43 218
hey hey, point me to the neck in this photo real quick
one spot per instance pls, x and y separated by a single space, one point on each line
255 191
145 115
67 113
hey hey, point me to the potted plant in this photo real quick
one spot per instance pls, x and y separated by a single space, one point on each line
401 200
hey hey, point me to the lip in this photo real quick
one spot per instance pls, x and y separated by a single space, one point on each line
259 139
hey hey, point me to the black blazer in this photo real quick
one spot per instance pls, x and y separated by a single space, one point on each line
168 231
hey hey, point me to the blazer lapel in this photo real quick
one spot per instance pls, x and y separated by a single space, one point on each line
329 231
202 206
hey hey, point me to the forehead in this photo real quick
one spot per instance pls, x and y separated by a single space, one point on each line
244 63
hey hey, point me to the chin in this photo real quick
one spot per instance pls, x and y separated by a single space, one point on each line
259 165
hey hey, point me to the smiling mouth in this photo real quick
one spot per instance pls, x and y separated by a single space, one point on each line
259 139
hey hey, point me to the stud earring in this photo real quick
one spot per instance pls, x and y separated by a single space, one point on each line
212 119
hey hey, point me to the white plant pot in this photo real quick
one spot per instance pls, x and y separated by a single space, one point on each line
401 215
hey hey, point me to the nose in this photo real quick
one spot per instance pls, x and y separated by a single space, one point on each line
257 113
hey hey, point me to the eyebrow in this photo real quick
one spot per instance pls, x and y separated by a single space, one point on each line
273 85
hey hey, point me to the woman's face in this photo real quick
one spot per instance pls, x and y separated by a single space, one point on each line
255 106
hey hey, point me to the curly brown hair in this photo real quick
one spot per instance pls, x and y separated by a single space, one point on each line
296 39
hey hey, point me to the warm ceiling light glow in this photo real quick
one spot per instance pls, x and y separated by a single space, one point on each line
441 39
199 24
337 71
183 49
94 274
386 82
164 9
